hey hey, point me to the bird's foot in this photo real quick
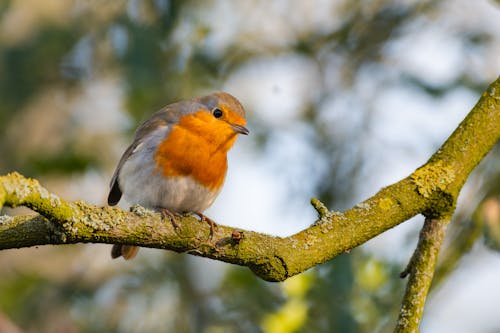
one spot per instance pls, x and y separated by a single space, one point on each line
173 217
206 219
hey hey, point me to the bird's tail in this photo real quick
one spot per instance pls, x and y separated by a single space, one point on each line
126 251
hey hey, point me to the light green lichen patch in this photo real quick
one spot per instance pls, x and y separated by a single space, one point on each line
294 243
44 194
433 177
326 227
492 92
97 218
363 205
141 211
70 225
22 187
54 200
19 190
5 219
310 241
385 203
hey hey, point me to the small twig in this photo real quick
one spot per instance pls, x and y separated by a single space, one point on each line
320 207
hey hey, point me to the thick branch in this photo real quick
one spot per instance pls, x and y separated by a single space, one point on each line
272 258
421 270
431 190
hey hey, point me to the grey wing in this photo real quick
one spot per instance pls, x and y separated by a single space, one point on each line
165 117
115 192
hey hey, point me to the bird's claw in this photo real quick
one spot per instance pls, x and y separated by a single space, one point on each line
173 218
211 223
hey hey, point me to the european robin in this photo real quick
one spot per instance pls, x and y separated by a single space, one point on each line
178 159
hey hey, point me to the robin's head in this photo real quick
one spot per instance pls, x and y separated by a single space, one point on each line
218 119
205 129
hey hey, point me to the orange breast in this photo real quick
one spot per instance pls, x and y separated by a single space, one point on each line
188 151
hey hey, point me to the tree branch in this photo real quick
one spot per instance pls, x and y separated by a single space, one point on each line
421 270
430 190
272 258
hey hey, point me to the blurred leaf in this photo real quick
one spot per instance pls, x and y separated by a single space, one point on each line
65 163
490 211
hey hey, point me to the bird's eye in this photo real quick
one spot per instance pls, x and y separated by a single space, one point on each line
217 113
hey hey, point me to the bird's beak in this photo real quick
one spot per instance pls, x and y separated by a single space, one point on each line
240 129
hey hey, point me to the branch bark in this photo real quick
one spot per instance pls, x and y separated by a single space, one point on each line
421 270
431 190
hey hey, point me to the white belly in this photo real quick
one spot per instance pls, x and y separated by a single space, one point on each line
142 184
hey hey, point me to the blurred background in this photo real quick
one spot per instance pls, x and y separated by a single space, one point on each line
343 98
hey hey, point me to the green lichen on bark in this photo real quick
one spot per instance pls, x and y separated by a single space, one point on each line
29 192
28 230
385 203
433 177
473 138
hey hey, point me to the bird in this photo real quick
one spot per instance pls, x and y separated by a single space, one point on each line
177 162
